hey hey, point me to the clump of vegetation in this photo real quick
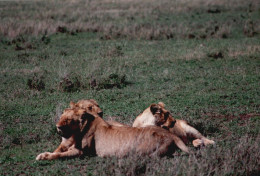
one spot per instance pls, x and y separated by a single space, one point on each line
249 29
45 39
36 83
70 83
216 55
113 81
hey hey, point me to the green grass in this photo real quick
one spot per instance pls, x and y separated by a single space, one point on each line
126 55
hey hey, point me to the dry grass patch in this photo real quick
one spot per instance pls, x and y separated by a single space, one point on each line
131 19
244 51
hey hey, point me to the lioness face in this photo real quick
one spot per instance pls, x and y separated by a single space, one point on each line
162 116
70 122
90 105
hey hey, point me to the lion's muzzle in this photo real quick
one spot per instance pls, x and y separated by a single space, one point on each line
63 131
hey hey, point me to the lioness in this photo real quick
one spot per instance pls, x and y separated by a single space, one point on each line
88 131
93 107
157 115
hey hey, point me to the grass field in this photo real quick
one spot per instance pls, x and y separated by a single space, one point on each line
200 57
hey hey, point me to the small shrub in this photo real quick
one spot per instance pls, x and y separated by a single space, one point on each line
19 47
216 55
249 29
45 39
62 29
69 84
36 83
113 80
214 10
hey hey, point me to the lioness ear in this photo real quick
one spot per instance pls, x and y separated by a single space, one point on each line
161 104
72 105
93 101
154 108
85 119
172 123
84 114
169 123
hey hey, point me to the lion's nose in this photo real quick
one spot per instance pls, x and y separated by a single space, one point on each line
59 128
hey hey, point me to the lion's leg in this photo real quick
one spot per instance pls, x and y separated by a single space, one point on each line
65 145
60 149
72 152
192 132
180 144
164 148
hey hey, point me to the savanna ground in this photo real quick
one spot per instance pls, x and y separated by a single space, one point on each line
200 57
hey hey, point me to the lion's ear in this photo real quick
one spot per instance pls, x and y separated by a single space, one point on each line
93 101
161 104
84 114
85 119
154 108
169 123
72 105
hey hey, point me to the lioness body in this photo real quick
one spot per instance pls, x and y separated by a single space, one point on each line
157 115
121 140
83 130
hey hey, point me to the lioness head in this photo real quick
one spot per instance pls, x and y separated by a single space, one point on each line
90 105
162 116
72 121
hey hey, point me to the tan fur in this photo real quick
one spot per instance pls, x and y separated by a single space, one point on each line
115 123
93 107
90 104
86 131
157 115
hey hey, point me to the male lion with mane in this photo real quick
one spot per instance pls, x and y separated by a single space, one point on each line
83 130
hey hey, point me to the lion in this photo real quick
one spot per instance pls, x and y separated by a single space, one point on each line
157 115
84 130
92 106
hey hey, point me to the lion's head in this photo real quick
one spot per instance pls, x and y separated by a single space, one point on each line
90 105
162 116
73 121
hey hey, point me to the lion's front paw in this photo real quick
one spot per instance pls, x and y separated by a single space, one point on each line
197 143
44 156
209 142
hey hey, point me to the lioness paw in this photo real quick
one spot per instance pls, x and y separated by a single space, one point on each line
44 156
208 142
197 143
